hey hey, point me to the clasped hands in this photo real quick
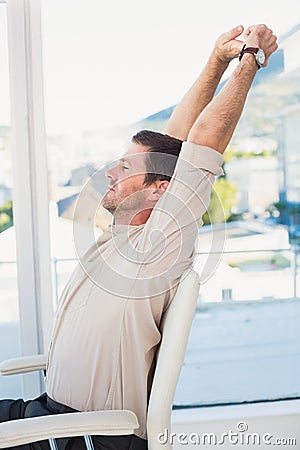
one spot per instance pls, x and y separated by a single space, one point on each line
228 45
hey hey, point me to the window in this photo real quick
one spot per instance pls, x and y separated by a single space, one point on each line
244 343
29 184
9 308
94 102
108 74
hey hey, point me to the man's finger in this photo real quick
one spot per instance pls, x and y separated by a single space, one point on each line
233 33
248 30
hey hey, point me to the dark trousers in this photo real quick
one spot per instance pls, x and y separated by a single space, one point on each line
43 406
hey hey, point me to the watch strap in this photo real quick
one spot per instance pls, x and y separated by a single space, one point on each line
246 49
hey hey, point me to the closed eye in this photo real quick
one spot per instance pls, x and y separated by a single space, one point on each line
125 165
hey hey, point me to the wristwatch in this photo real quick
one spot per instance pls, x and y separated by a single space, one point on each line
258 53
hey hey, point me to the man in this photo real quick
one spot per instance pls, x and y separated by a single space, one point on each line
106 331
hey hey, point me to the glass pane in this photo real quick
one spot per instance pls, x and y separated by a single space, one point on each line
9 313
244 345
97 94
242 351
77 104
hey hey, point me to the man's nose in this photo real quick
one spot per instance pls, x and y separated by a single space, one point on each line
111 174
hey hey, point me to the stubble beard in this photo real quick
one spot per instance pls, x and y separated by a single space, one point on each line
130 202
109 205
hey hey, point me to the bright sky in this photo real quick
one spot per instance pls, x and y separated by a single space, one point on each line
115 62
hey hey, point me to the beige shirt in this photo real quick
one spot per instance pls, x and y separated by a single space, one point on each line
107 327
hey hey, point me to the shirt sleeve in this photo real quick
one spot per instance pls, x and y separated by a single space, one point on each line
167 242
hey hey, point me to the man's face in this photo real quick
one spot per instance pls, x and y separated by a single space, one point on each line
126 190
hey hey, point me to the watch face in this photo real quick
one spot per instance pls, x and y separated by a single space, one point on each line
260 57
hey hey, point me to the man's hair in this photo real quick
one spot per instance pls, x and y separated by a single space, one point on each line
162 155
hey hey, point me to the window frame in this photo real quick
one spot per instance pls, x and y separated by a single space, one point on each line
30 182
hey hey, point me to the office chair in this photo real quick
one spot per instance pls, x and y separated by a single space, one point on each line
175 329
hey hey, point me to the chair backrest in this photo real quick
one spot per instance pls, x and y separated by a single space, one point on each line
176 325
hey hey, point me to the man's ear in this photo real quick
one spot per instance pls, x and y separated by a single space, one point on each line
163 185
158 188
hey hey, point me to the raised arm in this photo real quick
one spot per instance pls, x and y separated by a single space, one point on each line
215 125
227 47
